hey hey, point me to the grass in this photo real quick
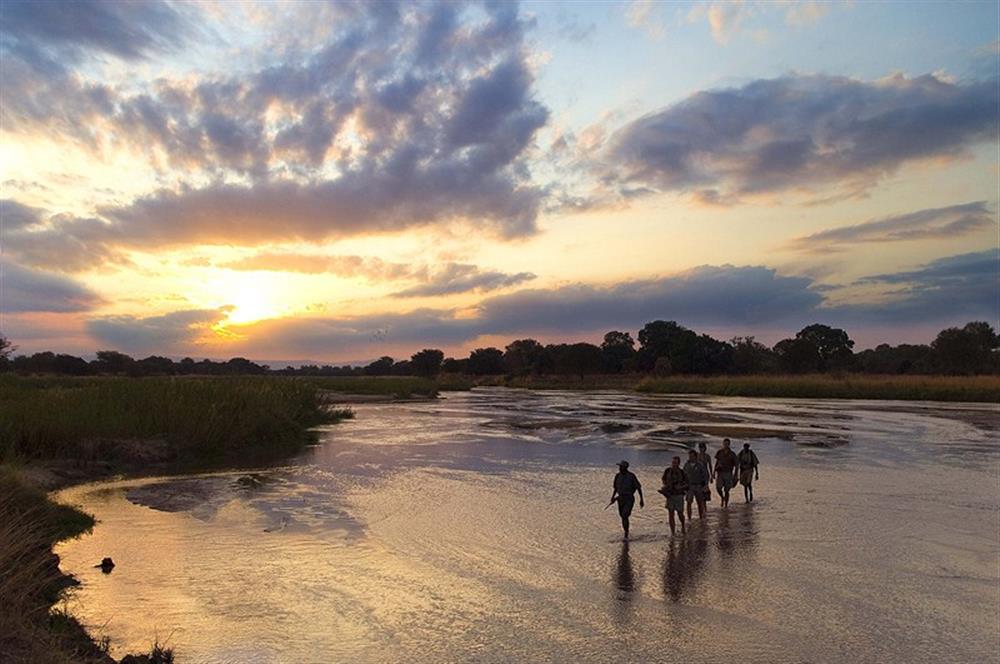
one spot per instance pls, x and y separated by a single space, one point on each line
196 422
831 386
197 419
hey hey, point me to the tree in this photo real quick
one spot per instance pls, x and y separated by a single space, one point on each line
486 361
664 339
380 367
402 368
749 356
617 349
453 366
521 356
427 362
580 358
833 345
967 350
797 355
6 348
113 362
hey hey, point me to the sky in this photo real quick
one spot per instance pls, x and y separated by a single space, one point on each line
339 181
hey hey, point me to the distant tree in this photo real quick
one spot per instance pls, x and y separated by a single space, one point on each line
580 358
902 359
113 362
243 366
6 348
402 368
797 355
617 351
966 350
427 362
453 366
521 356
486 361
380 367
833 345
186 366
70 365
155 365
752 357
664 339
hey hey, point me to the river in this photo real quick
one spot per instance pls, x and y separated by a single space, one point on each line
471 528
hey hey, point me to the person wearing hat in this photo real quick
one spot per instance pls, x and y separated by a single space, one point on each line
675 487
749 472
626 484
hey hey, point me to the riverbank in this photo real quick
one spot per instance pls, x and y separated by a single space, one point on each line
985 389
58 432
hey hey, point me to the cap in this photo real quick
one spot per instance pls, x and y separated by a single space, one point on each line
623 463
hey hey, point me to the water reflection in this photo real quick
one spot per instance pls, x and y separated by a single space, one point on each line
622 607
684 565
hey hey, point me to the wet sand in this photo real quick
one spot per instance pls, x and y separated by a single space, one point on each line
471 529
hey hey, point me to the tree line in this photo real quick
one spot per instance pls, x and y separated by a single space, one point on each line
660 348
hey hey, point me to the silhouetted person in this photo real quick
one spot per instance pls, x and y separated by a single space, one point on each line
626 485
674 487
725 471
748 463
706 461
697 475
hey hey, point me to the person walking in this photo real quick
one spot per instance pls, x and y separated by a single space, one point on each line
626 484
697 478
674 487
725 471
748 464
706 461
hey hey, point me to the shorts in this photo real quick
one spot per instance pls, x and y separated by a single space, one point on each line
625 503
696 491
724 480
675 503
746 477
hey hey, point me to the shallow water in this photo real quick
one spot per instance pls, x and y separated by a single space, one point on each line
471 528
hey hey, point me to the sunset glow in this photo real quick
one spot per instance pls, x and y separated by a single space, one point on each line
342 181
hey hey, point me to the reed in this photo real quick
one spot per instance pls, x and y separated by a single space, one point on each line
198 418
834 386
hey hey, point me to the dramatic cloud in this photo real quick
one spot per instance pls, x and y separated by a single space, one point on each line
946 222
374 269
170 332
407 116
714 296
26 290
952 289
47 35
462 278
800 132
447 279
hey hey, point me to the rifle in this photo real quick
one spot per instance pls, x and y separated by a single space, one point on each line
613 501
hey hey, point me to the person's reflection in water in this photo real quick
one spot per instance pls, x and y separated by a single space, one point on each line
624 575
625 586
736 533
684 566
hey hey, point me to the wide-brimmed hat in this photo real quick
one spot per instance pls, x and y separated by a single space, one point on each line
623 464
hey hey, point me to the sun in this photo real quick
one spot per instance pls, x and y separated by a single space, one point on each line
251 296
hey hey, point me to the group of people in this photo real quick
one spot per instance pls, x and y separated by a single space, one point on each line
690 483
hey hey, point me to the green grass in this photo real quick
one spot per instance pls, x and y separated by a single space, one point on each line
845 386
200 419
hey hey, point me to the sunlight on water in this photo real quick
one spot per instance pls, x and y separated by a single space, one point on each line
471 529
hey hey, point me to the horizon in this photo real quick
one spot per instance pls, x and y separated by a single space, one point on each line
340 180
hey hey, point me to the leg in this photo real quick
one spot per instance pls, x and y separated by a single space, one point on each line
625 526
701 506
680 515
750 489
671 516
689 506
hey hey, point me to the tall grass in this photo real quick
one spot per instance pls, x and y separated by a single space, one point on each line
832 386
199 418
30 580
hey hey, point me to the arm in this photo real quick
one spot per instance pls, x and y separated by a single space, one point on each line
638 487
756 467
